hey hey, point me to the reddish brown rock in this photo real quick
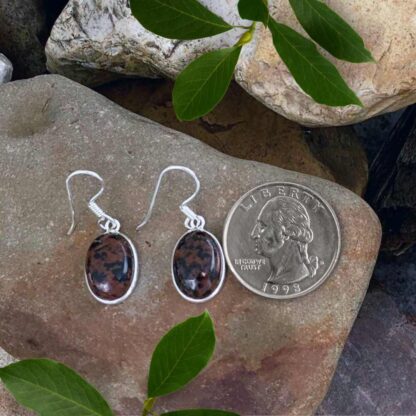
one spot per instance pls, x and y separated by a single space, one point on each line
110 267
271 357
198 265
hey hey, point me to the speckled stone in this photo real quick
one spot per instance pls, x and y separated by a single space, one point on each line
271 358
197 265
109 267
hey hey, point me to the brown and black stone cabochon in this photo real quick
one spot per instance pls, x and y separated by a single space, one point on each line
109 267
197 265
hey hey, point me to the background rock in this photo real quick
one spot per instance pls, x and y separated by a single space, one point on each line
392 187
288 349
388 29
96 41
6 69
242 127
375 374
99 40
24 29
374 132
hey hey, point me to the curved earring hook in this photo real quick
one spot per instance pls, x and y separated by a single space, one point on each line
110 224
193 221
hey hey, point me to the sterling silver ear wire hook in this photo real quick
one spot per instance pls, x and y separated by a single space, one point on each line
198 263
105 221
112 264
192 221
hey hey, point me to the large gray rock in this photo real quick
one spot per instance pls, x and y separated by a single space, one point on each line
50 126
95 41
6 69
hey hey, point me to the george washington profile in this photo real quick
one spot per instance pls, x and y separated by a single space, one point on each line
282 234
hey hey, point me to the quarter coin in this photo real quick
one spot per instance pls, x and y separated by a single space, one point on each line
281 240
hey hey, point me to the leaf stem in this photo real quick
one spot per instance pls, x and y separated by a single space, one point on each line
247 36
148 407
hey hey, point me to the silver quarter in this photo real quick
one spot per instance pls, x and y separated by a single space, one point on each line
281 240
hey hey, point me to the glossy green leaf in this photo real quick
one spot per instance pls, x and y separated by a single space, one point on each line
254 10
199 412
51 389
332 32
315 74
203 83
178 19
181 355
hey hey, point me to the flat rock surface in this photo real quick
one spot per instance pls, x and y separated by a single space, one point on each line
95 41
272 357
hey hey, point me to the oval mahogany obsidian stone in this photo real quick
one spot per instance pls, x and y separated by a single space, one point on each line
197 265
109 266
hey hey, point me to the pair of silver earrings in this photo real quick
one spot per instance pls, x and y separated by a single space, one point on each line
112 264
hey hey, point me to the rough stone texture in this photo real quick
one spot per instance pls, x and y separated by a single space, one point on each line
6 69
95 41
242 127
287 349
376 372
24 29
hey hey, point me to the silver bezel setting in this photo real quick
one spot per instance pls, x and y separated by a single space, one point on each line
319 282
222 273
134 280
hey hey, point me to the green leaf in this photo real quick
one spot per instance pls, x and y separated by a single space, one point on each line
178 19
332 32
51 389
181 355
254 10
199 412
315 74
204 82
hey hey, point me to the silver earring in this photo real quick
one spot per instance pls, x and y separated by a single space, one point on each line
112 265
198 263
